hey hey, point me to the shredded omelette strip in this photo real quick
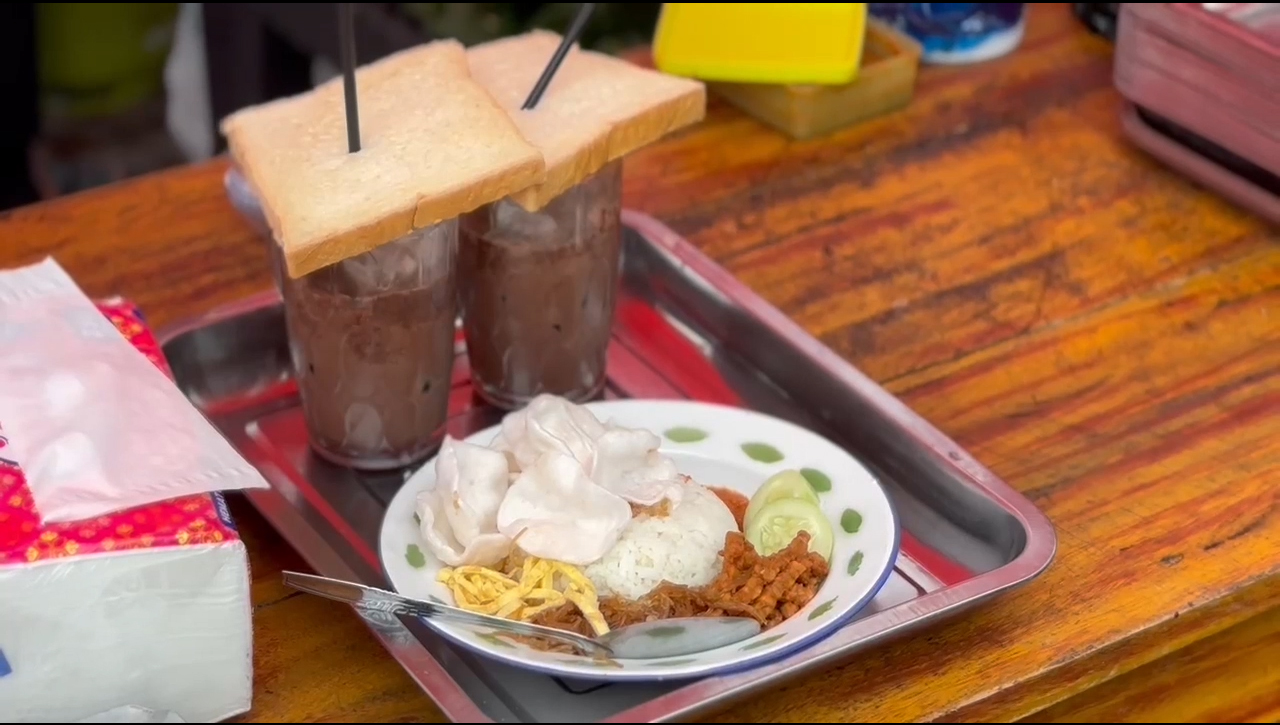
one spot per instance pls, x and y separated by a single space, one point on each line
537 586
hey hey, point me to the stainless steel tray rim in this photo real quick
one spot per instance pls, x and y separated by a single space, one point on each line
1037 551
736 292
1035 557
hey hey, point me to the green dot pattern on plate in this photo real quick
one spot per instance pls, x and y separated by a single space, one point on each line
762 452
665 632
672 663
850 521
764 642
415 557
822 609
855 563
685 434
818 480
417 519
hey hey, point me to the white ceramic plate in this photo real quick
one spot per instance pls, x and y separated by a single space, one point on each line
718 446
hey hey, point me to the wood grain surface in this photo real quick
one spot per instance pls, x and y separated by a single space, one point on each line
1233 677
1101 333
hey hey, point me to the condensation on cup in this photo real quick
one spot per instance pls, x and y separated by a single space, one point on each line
372 344
539 291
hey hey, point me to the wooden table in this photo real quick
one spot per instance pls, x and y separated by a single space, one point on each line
1101 333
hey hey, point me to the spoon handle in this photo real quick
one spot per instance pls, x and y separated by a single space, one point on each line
378 600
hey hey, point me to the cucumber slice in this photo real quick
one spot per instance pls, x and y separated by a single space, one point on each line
777 524
787 484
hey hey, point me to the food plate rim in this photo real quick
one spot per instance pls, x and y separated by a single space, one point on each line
710 669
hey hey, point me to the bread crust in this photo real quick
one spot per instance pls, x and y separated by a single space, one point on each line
421 162
597 108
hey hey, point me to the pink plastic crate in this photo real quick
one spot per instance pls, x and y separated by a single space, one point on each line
1212 69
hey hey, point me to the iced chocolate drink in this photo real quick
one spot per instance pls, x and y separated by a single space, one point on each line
538 292
370 306
372 341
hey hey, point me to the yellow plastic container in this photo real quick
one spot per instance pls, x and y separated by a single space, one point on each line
886 82
780 43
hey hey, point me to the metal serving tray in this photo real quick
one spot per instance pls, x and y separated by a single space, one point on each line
685 329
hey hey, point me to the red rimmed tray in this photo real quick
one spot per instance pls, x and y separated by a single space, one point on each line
685 329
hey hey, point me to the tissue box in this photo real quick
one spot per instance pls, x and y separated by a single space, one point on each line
149 607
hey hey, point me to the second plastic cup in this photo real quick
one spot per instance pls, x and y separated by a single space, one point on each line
538 292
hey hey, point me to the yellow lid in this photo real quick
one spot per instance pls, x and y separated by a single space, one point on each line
783 43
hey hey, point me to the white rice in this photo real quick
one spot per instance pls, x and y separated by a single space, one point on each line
682 548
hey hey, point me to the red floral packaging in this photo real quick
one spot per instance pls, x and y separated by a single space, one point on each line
148 606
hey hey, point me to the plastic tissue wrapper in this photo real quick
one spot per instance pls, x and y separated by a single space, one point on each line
145 609
94 426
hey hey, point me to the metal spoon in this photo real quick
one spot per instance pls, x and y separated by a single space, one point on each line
647 640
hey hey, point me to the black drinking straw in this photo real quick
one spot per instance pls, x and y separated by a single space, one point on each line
570 37
347 49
